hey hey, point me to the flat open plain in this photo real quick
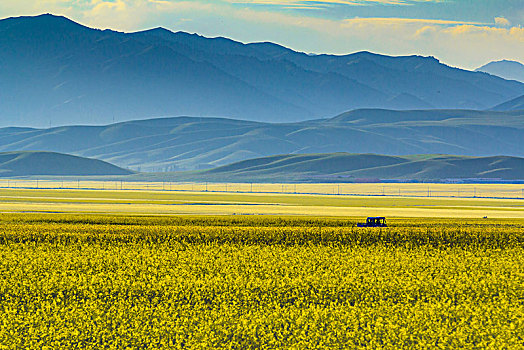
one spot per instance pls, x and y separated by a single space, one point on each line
175 202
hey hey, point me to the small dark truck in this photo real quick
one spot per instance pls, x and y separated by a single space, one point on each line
378 221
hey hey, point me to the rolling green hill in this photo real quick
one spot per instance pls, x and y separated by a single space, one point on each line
350 167
185 143
319 167
54 164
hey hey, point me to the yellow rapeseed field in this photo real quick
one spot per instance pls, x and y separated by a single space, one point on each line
246 282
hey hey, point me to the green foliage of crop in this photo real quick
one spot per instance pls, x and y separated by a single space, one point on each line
72 281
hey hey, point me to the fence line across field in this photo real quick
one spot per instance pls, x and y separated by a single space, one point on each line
510 191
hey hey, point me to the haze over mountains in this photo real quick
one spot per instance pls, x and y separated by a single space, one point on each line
56 72
510 70
330 167
250 108
350 167
189 143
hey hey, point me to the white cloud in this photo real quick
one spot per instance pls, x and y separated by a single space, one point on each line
403 21
464 44
316 3
502 21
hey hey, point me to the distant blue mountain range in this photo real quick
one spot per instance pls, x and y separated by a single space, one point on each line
54 71
510 70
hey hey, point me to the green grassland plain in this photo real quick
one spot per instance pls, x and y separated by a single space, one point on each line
96 269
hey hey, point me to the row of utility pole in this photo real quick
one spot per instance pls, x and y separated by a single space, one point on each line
284 188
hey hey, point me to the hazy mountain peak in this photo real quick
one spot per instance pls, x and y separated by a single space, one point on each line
45 20
160 30
270 49
511 70
373 55
508 63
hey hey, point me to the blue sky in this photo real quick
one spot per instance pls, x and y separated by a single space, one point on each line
463 33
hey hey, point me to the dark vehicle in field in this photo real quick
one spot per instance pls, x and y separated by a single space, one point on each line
378 221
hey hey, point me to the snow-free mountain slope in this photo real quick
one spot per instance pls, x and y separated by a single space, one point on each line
54 164
349 167
188 143
506 69
54 71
